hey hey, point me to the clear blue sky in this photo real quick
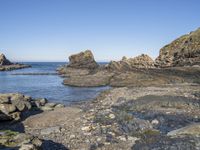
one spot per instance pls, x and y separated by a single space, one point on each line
51 30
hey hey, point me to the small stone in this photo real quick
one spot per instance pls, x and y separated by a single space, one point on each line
111 116
86 128
122 138
132 139
98 139
72 136
45 108
52 105
27 147
59 106
155 122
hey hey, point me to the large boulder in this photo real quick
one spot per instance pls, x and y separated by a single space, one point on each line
83 60
4 60
12 105
142 61
183 51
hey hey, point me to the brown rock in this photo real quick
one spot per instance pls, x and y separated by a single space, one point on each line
182 51
142 61
101 78
83 60
7 108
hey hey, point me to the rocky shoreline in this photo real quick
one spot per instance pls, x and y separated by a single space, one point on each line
151 105
151 117
14 108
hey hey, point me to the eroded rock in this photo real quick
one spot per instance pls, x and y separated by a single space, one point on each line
83 60
13 104
4 61
142 61
182 51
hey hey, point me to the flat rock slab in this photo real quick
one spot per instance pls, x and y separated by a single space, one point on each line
192 129
57 117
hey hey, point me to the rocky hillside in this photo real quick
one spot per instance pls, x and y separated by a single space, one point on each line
183 51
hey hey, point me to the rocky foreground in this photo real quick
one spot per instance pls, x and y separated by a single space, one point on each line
6 65
156 118
14 108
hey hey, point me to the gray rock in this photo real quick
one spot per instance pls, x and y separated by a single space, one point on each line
7 108
50 130
192 129
4 60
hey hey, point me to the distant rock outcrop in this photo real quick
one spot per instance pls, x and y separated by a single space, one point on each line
4 60
83 60
142 61
6 65
184 51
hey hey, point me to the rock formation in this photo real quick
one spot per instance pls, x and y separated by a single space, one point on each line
4 60
6 65
83 60
79 65
142 61
181 52
13 140
14 104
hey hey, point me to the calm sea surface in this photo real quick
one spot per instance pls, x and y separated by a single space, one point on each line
44 86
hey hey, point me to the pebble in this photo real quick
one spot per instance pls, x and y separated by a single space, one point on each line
86 128
155 122
111 116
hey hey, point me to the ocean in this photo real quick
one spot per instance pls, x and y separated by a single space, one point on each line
45 86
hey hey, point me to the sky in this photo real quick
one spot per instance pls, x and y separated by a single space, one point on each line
52 30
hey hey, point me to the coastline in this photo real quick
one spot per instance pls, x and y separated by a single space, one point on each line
100 122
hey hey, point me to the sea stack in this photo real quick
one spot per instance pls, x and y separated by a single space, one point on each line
6 65
4 60
184 51
83 60
79 64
